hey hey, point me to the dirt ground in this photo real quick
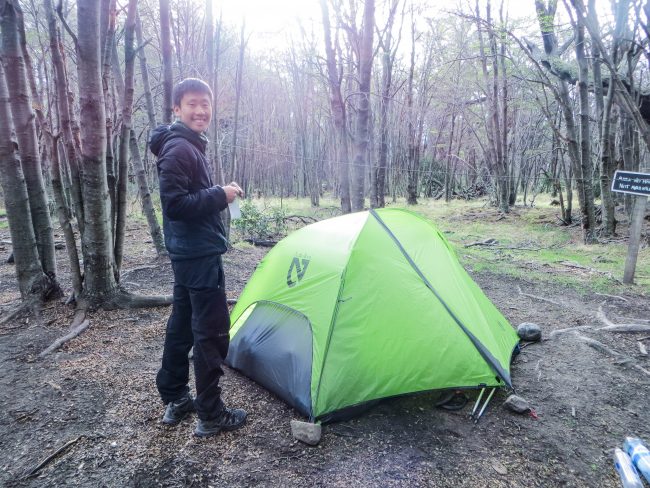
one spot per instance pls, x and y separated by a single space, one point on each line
97 397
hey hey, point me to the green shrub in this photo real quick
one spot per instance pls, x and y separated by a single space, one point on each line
260 224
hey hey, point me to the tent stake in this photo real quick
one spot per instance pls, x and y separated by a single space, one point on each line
485 405
478 401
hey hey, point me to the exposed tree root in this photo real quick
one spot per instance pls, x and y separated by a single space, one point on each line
78 325
558 332
612 327
537 298
27 305
599 346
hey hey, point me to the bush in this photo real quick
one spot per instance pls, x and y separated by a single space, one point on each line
260 225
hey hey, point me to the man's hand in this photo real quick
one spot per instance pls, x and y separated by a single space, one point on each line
233 191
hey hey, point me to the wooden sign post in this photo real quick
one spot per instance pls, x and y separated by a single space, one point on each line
636 184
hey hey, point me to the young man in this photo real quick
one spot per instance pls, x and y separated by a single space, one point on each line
195 239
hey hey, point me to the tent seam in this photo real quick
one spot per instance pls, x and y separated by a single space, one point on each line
335 314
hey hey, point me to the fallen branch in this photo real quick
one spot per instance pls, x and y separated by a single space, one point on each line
78 325
536 297
303 218
261 242
51 457
486 242
611 296
569 264
612 327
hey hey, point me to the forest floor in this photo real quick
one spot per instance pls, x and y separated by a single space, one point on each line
94 403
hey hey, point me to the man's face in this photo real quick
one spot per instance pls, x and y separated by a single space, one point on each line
195 111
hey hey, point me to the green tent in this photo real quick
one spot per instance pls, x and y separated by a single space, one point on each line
362 307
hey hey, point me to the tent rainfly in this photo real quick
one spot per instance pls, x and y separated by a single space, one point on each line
362 307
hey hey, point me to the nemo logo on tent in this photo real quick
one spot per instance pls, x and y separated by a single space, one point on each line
298 268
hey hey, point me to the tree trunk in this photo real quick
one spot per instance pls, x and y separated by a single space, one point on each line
65 116
412 155
28 267
23 118
363 112
145 196
447 183
494 141
588 216
107 28
64 221
97 241
338 113
607 166
219 176
168 76
386 81
125 135
235 130
144 73
545 17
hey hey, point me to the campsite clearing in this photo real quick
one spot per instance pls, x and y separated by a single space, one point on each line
90 413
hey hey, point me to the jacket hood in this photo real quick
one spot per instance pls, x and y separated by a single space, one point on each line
164 133
159 136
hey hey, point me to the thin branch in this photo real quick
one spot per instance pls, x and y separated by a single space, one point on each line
537 297
51 457
59 10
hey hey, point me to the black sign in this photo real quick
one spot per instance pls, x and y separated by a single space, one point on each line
299 266
629 182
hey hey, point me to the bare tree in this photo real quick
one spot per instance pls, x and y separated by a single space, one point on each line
144 73
31 278
378 189
168 76
363 110
23 117
125 135
338 112
588 216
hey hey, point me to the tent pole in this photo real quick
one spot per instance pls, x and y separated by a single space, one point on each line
478 400
485 405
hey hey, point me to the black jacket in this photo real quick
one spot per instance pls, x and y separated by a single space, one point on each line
190 202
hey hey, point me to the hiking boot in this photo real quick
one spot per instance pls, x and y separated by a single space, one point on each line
228 419
178 410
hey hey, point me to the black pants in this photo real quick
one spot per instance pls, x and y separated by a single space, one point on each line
199 318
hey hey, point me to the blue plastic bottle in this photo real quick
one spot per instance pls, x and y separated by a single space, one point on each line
625 468
639 455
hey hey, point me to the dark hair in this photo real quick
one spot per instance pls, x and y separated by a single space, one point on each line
189 85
